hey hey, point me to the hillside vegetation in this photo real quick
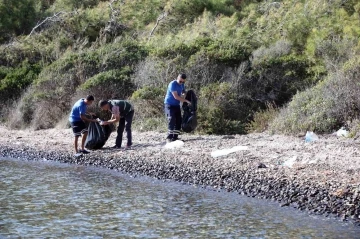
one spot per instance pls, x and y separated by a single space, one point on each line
286 66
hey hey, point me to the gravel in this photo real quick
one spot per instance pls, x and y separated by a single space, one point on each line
324 178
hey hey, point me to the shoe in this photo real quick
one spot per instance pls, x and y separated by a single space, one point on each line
84 151
77 155
115 147
169 140
128 147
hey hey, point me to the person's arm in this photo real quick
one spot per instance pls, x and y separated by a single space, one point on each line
84 118
179 98
114 119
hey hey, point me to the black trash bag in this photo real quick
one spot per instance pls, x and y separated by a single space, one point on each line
189 119
97 136
108 129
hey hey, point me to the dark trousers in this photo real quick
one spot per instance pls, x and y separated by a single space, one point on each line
173 115
120 130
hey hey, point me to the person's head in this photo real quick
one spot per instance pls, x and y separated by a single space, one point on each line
89 100
181 78
104 105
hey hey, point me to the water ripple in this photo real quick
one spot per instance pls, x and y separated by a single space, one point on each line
50 200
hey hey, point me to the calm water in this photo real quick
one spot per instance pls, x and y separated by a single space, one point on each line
51 200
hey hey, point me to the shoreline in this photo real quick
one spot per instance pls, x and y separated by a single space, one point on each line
324 178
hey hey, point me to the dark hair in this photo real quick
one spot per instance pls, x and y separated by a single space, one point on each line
90 98
182 76
102 103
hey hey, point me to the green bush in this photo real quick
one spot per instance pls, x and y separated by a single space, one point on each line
70 5
325 107
149 102
14 81
218 110
123 52
182 12
262 119
113 84
17 17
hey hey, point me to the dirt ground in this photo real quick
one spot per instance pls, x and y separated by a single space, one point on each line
328 159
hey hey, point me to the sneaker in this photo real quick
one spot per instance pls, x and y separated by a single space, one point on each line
84 151
77 155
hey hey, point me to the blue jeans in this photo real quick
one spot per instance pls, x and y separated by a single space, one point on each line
173 115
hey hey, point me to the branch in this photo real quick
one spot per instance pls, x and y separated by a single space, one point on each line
113 11
54 18
160 18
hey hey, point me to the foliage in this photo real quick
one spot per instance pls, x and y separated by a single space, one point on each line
325 107
149 102
158 124
240 56
17 17
14 81
218 110
262 119
113 84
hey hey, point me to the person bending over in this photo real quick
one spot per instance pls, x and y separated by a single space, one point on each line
172 106
123 112
77 120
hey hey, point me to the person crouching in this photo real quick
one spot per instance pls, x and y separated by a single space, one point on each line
123 112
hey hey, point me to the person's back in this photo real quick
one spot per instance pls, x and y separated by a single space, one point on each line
124 106
79 108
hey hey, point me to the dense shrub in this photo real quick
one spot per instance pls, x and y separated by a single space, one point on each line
74 4
149 107
262 119
326 106
17 17
186 11
113 84
149 102
14 81
218 110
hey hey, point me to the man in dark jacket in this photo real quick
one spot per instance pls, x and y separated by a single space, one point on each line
122 112
172 106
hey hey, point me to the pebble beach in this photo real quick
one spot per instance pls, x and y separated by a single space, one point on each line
321 177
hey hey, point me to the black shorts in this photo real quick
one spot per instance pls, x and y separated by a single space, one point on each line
79 127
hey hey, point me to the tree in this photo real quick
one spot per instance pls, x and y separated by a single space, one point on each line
17 17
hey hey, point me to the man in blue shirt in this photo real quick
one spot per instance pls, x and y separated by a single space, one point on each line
77 120
172 106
